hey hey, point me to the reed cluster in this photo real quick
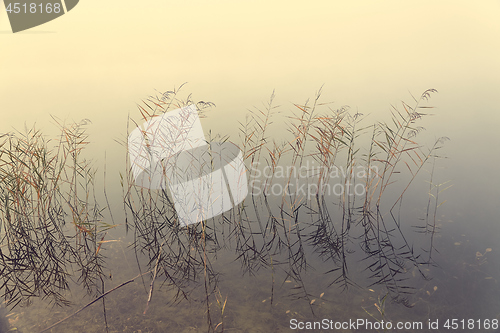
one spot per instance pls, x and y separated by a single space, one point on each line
50 222
290 226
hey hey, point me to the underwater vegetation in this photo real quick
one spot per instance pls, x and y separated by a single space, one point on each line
326 192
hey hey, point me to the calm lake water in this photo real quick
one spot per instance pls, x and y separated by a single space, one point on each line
270 264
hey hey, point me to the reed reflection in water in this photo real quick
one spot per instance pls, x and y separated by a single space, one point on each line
282 232
298 240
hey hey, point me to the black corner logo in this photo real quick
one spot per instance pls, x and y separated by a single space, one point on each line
31 13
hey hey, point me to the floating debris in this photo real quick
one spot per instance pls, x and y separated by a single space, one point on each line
428 293
488 250
287 311
458 243
435 288
322 294
314 300
371 290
